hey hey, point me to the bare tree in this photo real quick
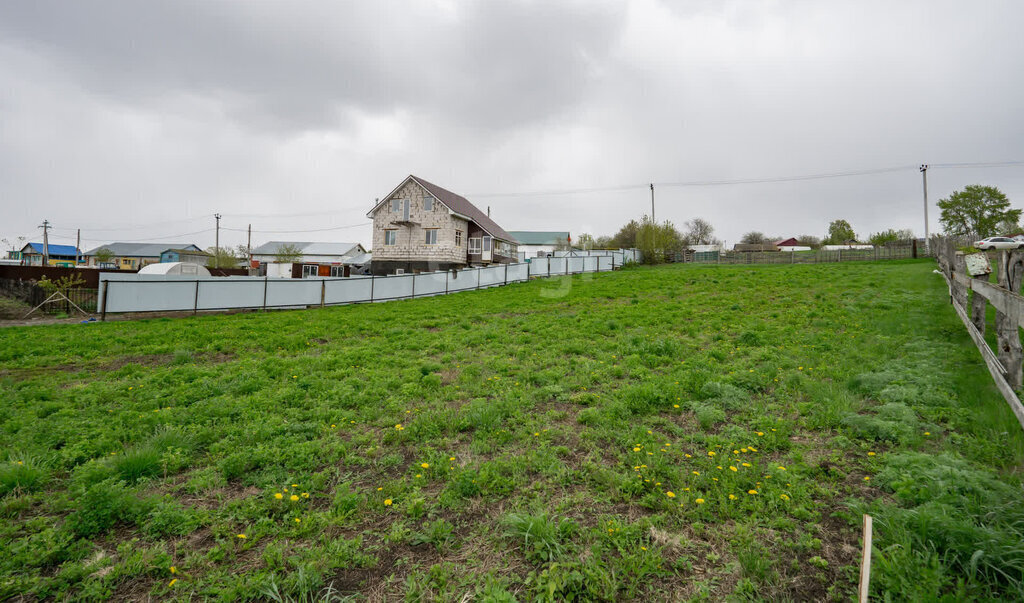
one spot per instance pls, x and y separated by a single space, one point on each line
754 237
699 231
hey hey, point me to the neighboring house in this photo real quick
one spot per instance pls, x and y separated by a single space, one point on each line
420 226
540 244
187 256
58 255
790 242
314 259
133 256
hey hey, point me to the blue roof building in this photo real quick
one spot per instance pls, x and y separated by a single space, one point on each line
32 254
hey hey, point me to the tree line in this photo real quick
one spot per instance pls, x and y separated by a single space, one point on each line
982 211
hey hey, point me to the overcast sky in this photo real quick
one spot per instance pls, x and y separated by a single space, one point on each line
138 120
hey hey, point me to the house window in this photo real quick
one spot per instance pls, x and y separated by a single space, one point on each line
390 237
337 271
399 270
458 238
396 205
309 270
431 236
474 245
487 244
428 203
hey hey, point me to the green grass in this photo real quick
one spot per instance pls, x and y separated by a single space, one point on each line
686 432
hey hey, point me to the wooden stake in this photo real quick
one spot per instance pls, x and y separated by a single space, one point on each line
865 563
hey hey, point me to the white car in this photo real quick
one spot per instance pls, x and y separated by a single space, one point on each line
998 243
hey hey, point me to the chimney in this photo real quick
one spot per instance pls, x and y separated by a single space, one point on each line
488 211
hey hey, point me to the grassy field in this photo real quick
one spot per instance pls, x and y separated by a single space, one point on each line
680 432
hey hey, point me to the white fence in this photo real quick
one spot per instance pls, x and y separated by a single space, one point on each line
172 293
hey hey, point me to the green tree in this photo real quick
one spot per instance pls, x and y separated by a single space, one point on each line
976 210
288 253
626 237
585 241
890 236
103 255
656 241
839 232
221 257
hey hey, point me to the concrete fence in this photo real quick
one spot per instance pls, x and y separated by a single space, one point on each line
173 293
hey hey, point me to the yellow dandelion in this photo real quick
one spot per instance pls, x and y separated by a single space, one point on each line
451 458
745 464
927 433
699 501
297 520
732 497
696 472
781 468
871 454
425 465
293 497
731 468
278 495
379 489
751 491
636 449
419 475
867 478
174 570
242 536
675 406
711 453
172 582
784 497
752 449
305 495
670 494
387 502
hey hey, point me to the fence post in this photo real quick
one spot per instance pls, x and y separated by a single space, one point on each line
323 292
978 307
446 275
372 279
478 278
106 292
1011 269
413 286
266 278
195 306
506 273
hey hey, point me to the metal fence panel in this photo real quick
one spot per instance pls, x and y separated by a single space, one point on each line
291 293
392 287
430 283
348 290
228 293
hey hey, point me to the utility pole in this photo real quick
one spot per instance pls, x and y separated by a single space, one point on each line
248 251
654 226
216 244
78 246
46 242
924 180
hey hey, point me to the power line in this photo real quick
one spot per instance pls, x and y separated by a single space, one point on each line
299 231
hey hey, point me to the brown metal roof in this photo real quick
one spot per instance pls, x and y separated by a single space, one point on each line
459 205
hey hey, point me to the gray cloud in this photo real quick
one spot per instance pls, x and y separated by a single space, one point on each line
139 114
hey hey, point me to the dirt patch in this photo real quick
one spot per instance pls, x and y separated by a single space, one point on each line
150 360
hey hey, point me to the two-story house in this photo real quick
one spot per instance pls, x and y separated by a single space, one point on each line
421 227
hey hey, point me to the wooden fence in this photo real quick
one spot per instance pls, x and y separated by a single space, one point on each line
900 251
1005 363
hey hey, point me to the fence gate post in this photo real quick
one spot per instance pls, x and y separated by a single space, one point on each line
265 280
106 292
1011 269
195 306
323 292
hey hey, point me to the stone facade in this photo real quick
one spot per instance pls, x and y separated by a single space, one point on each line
410 246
